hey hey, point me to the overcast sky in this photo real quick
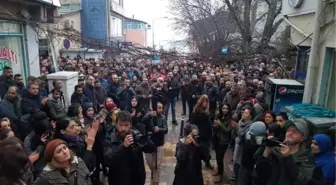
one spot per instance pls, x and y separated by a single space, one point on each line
149 10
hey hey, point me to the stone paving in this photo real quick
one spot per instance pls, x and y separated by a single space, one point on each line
168 164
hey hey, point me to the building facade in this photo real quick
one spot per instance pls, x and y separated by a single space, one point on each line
319 75
18 38
102 21
136 32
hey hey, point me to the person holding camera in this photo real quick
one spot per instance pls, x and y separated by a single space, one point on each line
189 156
289 164
123 149
159 127
125 95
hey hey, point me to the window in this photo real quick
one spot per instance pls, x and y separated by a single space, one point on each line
116 27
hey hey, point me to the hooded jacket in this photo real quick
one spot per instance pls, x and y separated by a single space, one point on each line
326 158
296 169
79 175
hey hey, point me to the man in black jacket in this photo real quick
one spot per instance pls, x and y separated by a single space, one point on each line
194 92
123 149
32 100
78 97
6 80
211 90
113 88
159 126
173 86
90 91
125 95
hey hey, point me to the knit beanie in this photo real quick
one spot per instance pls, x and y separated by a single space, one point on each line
50 148
110 106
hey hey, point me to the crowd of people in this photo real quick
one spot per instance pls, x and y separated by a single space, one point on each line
119 113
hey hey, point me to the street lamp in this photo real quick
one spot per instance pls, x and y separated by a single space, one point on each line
153 28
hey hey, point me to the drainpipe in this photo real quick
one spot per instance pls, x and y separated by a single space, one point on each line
313 64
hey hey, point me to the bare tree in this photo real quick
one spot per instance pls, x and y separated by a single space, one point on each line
271 26
206 24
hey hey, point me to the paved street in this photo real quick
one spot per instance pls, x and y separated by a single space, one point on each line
168 165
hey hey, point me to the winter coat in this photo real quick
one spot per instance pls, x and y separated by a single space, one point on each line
188 169
159 95
91 93
13 106
33 144
30 103
203 122
113 89
79 175
126 165
140 91
56 109
79 99
212 93
223 93
222 134
296 169
4 85
241 130
160 121
125 96
173 87
231 100
194 88
101 95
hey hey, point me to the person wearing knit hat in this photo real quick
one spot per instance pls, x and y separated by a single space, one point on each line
110 106
60 160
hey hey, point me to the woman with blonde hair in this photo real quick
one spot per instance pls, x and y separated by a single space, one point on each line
201 118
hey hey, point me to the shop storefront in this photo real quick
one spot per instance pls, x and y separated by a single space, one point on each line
12 47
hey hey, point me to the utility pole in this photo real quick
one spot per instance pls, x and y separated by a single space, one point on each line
313 63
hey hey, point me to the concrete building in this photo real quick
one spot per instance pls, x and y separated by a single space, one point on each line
18 37
313 31
102 21
136 32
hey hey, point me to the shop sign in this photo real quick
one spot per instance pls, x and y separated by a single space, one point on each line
8 54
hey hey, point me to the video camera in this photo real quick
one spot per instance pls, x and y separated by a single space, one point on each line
196 138
140 139
271 142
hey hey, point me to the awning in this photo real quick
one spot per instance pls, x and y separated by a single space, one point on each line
52 2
